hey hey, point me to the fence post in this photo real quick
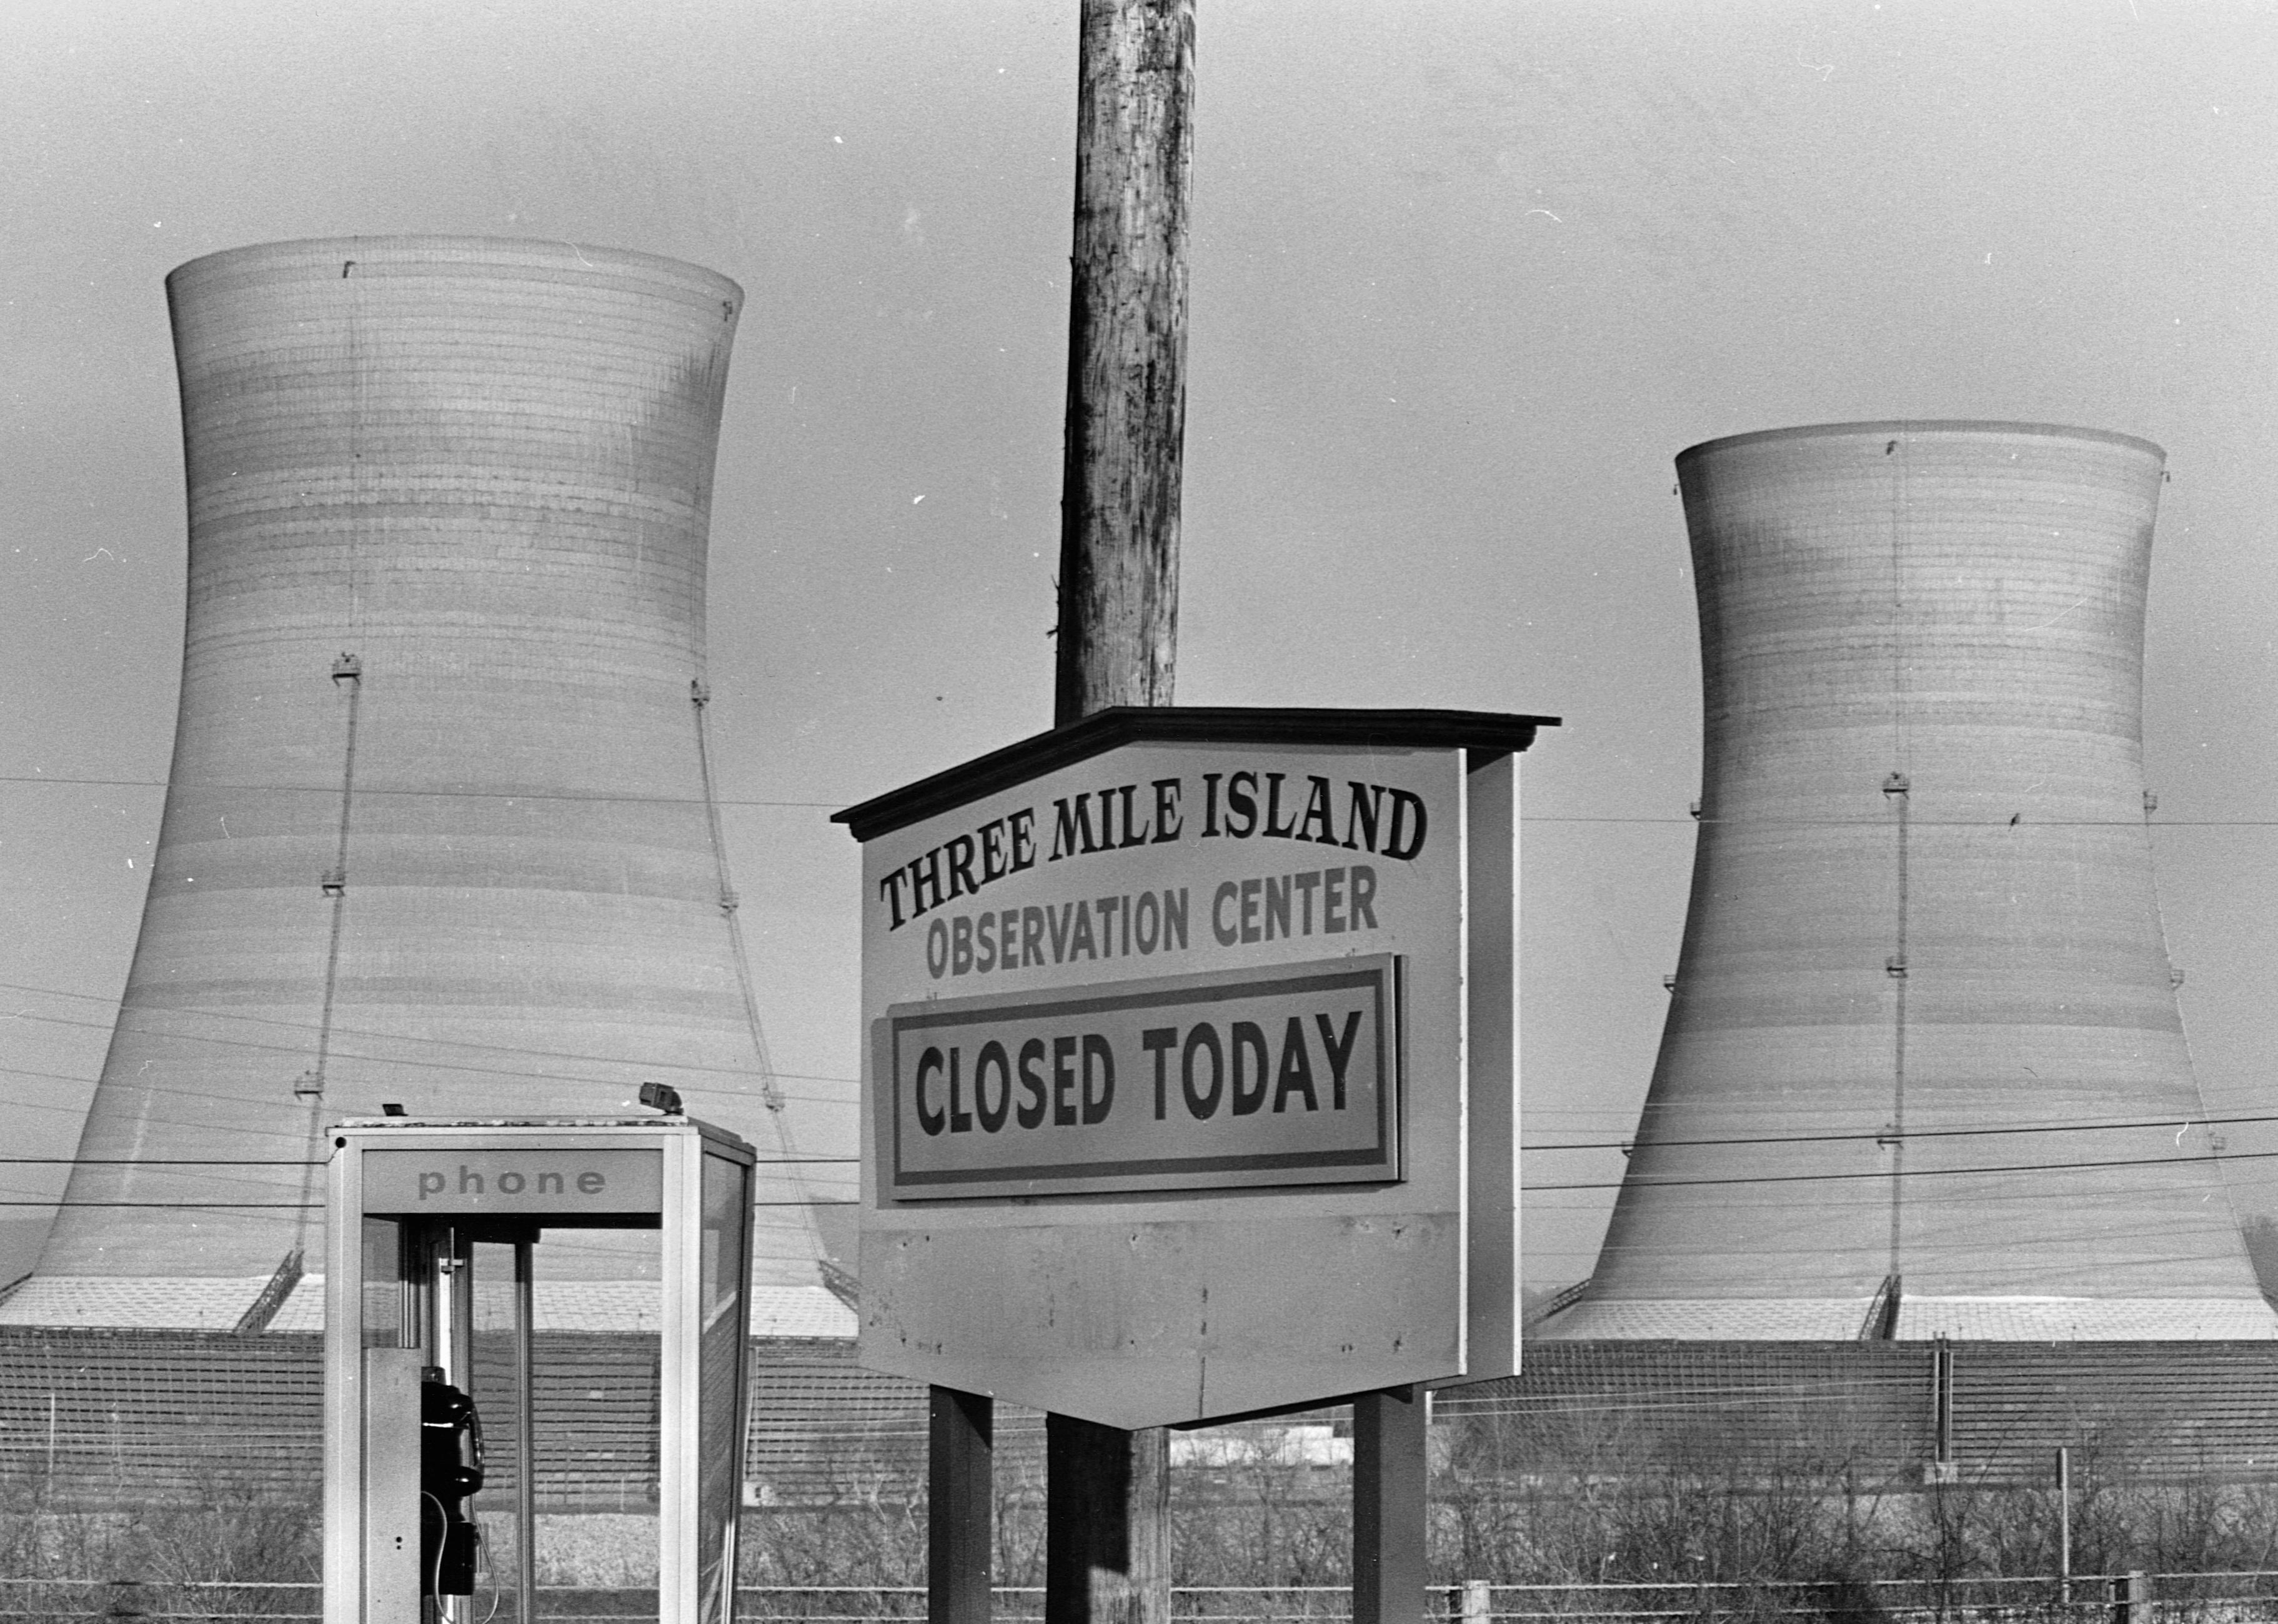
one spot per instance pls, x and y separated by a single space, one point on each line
2131 1596
1943 1468
1478 1603
2064 1526
125 1601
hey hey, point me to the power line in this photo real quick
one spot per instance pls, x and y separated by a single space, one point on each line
53 1077
2106 1193
1658 1183
290 1205
1663 1184
266 1020
2064 1126
194 1124
1925 1172
447 795
389 1037
303 1162
1996 823
17 1196
206 1125
2124 821
125 1024
147 1162
1947 1262
2162 1122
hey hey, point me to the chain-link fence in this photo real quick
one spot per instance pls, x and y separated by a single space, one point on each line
2088 1599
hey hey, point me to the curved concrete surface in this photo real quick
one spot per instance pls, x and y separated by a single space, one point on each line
1922 968
436 832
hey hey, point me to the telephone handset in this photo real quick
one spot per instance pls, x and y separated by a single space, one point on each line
450 1469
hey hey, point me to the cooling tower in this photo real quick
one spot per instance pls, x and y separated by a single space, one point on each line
1924 1073
439 830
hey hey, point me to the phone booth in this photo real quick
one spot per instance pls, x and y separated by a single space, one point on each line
418 1209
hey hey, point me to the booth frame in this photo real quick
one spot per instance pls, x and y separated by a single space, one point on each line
684 1145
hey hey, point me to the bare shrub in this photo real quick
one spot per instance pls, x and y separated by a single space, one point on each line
1258 1516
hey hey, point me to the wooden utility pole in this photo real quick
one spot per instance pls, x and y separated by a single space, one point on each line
1127 391
1107 1536
1107 1524
1107 1557
1107 1519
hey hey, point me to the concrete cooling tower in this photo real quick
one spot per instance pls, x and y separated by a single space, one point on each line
440 828
1924 1073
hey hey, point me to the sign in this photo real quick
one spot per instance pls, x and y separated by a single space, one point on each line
442 1179
1286 1076
1173 1103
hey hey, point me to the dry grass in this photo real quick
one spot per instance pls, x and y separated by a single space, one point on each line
1819 1524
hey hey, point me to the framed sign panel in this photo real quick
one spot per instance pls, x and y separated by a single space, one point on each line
1190 1087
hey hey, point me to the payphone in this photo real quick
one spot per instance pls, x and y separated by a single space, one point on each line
418 1209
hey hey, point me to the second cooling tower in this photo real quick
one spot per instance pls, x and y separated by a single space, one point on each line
1924 1073
439 831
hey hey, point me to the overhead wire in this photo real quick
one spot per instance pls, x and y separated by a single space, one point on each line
2102 1195
2089 1127
206 1123
1566 1187
1885 1174
288 1205
303 1161
1669 819
401 1061
2075 1125
263 1020
448 795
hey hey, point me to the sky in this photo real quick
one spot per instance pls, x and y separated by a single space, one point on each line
1466 276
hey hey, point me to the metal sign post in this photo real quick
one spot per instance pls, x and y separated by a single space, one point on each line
411 1200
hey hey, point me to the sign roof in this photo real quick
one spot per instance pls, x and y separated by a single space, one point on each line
1497 731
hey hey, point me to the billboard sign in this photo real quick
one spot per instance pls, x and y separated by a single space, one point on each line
1174 1101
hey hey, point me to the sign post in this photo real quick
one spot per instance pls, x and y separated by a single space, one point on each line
1390 1459
1178 1102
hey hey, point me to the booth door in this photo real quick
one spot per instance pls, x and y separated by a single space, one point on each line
723 1352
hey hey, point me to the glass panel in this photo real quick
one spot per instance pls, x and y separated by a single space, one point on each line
386 1307
594 1435
719 1404
495 1389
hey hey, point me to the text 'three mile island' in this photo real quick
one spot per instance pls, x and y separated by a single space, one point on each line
1376 818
